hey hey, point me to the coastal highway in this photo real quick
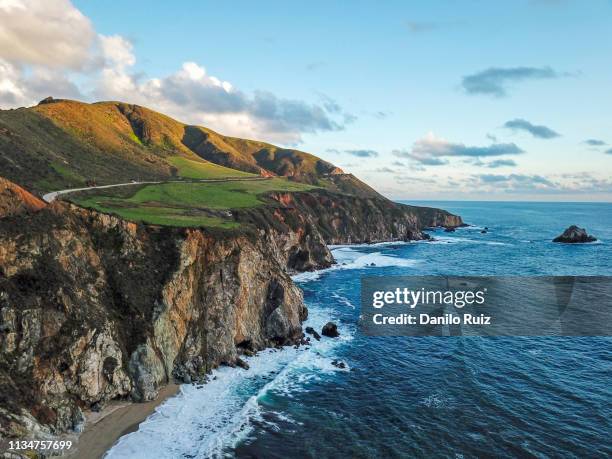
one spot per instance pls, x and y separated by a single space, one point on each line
50 197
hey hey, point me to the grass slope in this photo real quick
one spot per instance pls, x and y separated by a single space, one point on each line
186 204
62 143
198 169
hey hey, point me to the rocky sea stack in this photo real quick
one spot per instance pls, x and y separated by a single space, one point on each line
574 235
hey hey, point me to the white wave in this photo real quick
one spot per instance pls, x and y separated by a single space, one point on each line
460 240
308 276
206 420
597 242
333 247
349 257
437 400
344 300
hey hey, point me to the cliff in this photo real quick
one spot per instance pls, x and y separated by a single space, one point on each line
94 308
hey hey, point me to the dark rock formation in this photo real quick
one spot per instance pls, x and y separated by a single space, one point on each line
339 364
330 329
574 235
241 363
313 332
449 229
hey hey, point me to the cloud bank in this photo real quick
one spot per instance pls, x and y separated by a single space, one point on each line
362 153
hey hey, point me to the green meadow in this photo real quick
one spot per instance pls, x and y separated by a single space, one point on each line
185 204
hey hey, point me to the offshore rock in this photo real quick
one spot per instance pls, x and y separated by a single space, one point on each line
574 235
313 332
330 329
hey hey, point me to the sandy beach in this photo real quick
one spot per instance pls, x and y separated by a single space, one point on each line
103 429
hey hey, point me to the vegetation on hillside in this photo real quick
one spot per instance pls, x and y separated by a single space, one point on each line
198 169
185 203
63 144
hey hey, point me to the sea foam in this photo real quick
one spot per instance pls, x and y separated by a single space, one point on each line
350 257
206 420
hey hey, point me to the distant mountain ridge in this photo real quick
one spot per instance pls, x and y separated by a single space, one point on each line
62 143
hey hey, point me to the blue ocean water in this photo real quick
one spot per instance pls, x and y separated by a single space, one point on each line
455 397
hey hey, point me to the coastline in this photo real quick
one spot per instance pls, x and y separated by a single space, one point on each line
103 430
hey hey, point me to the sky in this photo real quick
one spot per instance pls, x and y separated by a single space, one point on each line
430 100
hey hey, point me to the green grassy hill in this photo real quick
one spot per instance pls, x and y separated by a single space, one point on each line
61 144
185 203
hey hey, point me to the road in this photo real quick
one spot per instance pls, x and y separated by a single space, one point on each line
50 197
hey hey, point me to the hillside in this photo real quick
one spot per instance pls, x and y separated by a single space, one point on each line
62 143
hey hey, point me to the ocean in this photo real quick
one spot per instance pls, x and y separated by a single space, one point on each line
450 397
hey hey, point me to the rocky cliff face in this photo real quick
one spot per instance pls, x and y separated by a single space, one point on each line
94 308
305 223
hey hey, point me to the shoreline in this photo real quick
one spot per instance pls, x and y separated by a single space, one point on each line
103 429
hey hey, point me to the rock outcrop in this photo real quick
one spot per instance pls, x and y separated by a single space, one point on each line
311 331
574 235
299 226
330 330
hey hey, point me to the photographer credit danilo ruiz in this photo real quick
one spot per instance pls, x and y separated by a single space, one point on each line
486 306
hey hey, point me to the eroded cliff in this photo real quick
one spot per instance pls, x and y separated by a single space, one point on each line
94 308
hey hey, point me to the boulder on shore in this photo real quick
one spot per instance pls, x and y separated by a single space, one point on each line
313 332
574 235
330 329
241 363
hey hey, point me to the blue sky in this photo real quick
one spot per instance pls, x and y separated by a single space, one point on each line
423 100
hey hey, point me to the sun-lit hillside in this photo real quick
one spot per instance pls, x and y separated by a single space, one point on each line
63 143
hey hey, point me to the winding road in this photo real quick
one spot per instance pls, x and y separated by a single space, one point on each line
52 196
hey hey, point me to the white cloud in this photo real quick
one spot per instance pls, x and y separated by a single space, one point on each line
431 146
117 51
50 33
45 45
19 87
192 95
434 151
